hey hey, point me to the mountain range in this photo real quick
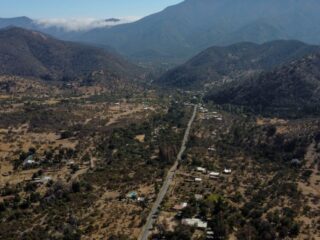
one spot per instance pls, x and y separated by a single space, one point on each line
183 30
218 65
265 55
34 54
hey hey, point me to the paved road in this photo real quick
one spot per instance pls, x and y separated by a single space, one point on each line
153 215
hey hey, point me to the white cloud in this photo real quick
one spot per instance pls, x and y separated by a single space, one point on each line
81 24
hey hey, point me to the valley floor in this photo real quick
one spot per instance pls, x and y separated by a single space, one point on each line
79 162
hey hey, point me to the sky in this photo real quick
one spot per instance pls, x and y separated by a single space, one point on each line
98 9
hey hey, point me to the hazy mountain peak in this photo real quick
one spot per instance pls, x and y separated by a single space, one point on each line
182 30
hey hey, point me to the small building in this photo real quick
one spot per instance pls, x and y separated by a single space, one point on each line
132 195
181 206
141 199
70 163
29 161
214 175
201 169
227 171
210 233
198 180
198 197
195 222
46 179
42 180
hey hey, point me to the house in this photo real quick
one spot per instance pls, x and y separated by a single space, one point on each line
214 174
202 170
42 180
227 171
210 233
29 161
46 179
37 180
212 149
198 197
204 110
194 222
181 206
141 199
198 180
70 163
132 195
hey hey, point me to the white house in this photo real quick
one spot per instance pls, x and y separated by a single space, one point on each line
194 222
214 174
201 169
29 162
46 179
198 197
180 206
141 199
198 180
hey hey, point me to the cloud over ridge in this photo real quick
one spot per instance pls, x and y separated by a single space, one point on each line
83 24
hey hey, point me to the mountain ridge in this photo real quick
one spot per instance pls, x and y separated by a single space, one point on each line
289 90
31 53
182 30
217 65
